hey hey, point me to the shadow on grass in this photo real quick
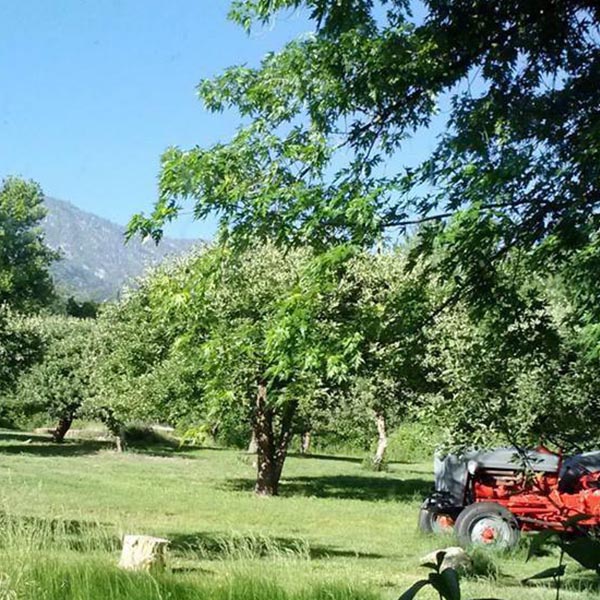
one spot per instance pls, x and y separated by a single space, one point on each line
346 487
40 445
214 545
333 457
22 436
172 450
18 442
71 534
584 581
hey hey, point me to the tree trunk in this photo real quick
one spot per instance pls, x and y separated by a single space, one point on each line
305 442
382 441
271 449
285 437
64 424
253 445
120 440
115 427
266 482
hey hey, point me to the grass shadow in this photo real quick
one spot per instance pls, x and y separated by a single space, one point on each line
345 487
66 534
583 581
23 436
19 442
578 581
171 450
217 546
39 445
332 457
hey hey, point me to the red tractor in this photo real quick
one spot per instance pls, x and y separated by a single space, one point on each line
489 497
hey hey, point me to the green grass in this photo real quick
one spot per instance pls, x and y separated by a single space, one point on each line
336 531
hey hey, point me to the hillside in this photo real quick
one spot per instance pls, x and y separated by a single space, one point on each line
96 263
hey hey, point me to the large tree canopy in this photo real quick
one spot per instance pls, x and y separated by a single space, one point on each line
512 184
25 283
318 155
60 383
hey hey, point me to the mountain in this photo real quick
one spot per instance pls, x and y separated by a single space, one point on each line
96 263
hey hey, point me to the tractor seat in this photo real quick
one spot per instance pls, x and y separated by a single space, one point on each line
574 467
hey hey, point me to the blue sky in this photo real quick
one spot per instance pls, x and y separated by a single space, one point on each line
92 92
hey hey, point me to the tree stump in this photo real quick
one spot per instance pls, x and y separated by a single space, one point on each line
143 552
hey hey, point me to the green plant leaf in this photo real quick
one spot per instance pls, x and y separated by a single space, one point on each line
547 573
439 557
413 590
585 550
446 584
570 522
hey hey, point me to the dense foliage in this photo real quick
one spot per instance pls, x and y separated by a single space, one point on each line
485 323
60 384
20 347
25 283
318 155
503 212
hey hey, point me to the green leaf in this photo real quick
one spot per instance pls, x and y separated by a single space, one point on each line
570 522
446 584
585 550
413 590
547 573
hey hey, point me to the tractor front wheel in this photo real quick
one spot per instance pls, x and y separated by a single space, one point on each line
435 522
487 524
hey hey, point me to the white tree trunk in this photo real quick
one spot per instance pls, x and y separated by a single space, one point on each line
382 440
305 443
143 552
253 445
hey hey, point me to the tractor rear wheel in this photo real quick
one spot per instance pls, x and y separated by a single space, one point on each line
487 524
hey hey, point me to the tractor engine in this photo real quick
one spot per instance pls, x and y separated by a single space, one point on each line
502 485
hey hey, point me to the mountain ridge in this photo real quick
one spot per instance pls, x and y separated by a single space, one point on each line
95 263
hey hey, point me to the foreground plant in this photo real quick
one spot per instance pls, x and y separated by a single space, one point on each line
579 543
445 582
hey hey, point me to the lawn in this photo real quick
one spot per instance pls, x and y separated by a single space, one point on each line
334 524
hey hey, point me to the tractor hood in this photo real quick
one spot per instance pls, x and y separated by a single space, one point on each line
452 471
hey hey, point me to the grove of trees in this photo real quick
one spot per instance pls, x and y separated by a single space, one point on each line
347 289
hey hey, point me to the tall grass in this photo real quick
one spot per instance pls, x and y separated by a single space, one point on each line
72 560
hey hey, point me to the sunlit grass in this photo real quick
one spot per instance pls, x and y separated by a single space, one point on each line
337 531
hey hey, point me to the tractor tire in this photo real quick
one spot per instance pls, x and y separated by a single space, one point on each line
432 522
487 524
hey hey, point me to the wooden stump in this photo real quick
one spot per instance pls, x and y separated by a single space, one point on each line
143 552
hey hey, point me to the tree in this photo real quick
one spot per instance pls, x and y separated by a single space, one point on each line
25 283
318 156
289 334
516 165
390 309
142 372
20 347
500 368
59 384
251 362
197 341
